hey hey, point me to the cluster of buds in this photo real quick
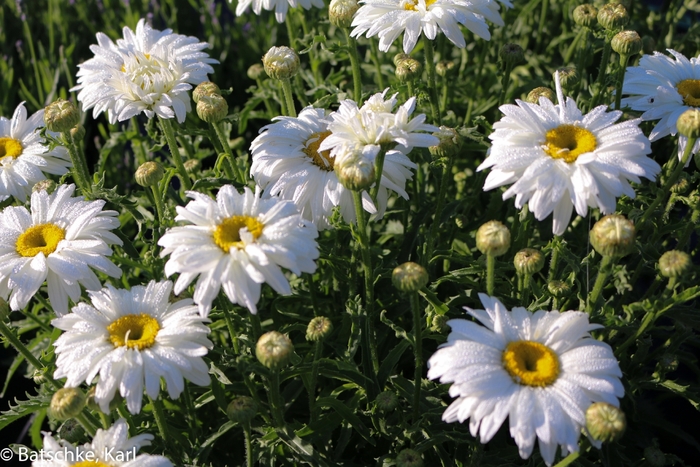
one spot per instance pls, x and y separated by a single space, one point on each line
211 106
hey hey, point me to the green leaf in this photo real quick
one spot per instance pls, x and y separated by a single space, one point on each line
348 414
24 408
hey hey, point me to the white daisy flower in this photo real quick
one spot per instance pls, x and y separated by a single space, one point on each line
664 88
147 71
280 6
560 159
23 157
133 338
109 448
542 369
389 18
237 242
60 241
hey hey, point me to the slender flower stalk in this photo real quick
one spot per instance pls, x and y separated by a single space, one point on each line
169 133
374 53
355 64
288 98
80 168
230 165
601 279
432 89
418 354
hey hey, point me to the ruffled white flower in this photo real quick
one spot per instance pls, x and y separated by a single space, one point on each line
132 339
23 157
60 241
664 88
147 71
389 18
280 6
238 242
560 159
542 370
109 448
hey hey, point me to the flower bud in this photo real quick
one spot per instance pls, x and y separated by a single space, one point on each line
648 45
444 67
318 329
281 63
44 185
439 323
355 172
568 77
61 115
340 12
387 401
586 15
668 362
605 422
493 238
528 261
212 108
558 288
627 43
409 277
255 71
408 69
66 403
689 123
149 173
682 185
72 431
533 97
613 16
39 376
674 263
205 89
77 132
512 54
191 165
450 143
409 458
654 456
399 57
242 409
613 235
274 350
461 221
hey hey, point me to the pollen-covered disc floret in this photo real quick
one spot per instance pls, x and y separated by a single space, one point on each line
280 6
109 448
663 88
559 159
147 71
23 157
542 370
238 242
387 19
131 339
60 241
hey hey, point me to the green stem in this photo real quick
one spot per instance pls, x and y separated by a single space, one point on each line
490 273
374 51
543 20
318 350
85 423
581 59
355 64
620 79
35 63
248 445
14 341
276 398
270 113
290 32
505 82
432 90
553 261
159 415
169 133
378 169
232 166
160 210
603 272
525 291
418 351
568 459
444 182
289 110
602 72
80 170
410 89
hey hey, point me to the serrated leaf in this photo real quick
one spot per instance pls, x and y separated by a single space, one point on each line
23 408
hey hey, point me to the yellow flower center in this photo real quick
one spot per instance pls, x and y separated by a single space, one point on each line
411 4
43 238
323 159
227 234
568 142
134 331
91 463
531 363
10 148
689 89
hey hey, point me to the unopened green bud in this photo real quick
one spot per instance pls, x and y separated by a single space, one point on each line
605 422
192 165
149 173
399 57
387 401
205 89
318 329
528 261
568 77
439 323
281 63
66 403
613 235
674 263
450 143
689 123
627 43
72 431
654 456
648 45
212 108
44 185
409 277
613 16
493 238
60 116
533 97
558 288
340 12
355 172
444 67
274 350
409 458
408 70
39 376
586 15
512 54
242 409
255 71
77 132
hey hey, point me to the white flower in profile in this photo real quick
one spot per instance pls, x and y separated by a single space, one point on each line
23 157
280 6
542 370
557 158
132 339
389 18
109 448
147 71
664 88
60 241
238 242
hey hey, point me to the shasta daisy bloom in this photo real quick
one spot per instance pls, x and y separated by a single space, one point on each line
147 71
109 448
23 157
664 88
238 242
389 18
557 158
132 339
60 241
542 370
280 6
